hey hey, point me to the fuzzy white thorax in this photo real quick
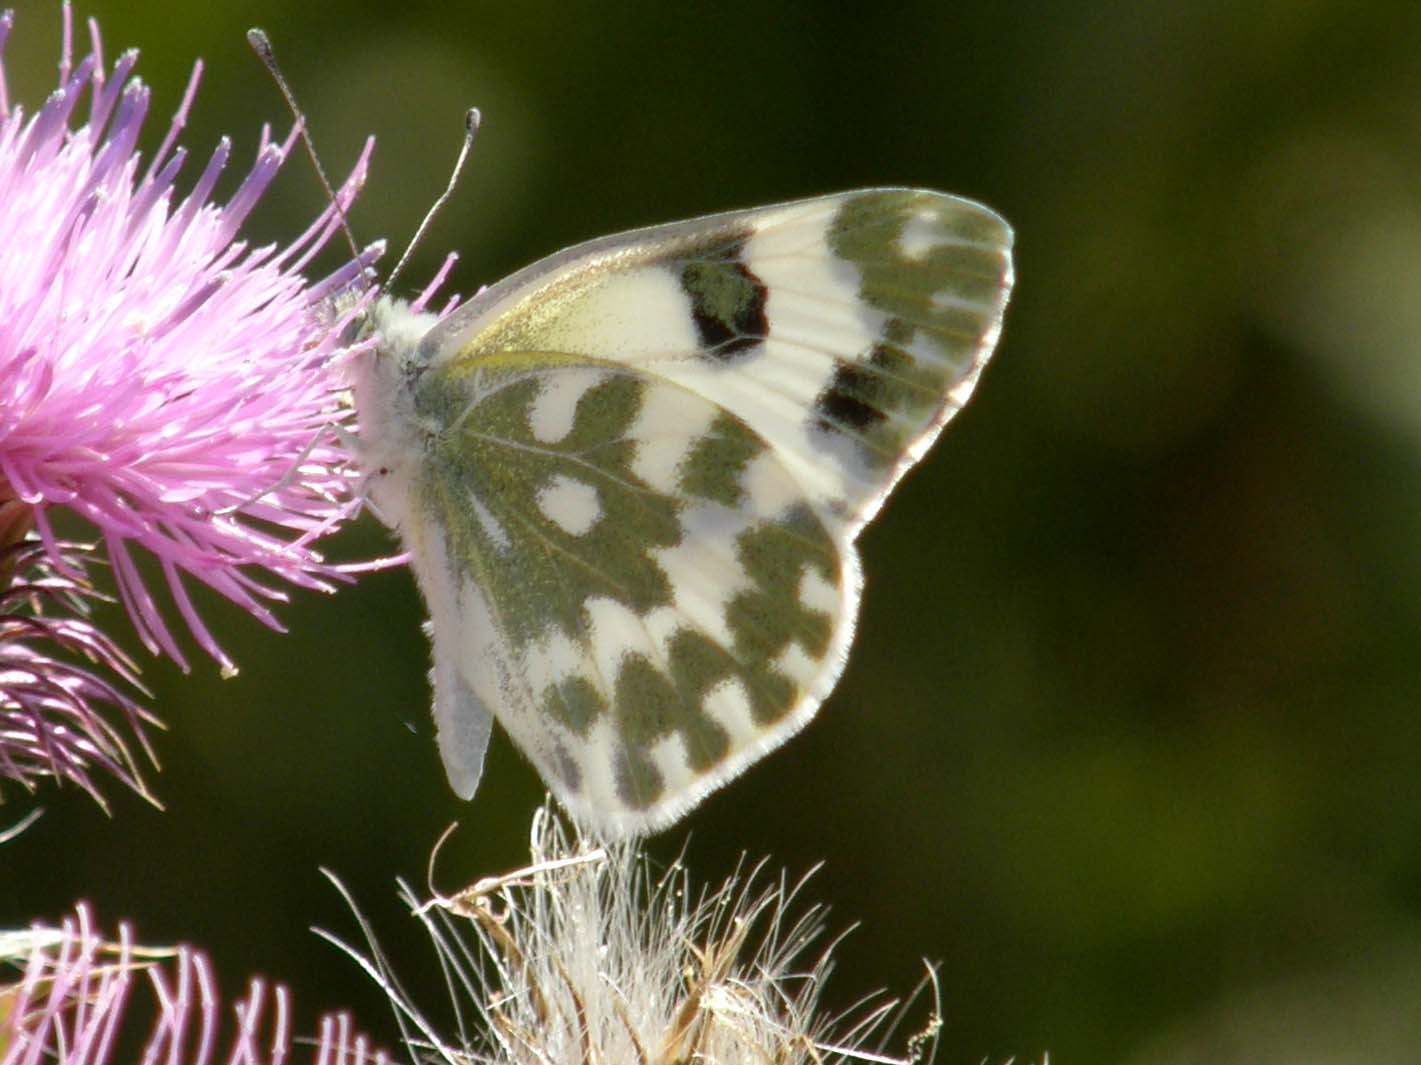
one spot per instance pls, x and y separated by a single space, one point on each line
389 433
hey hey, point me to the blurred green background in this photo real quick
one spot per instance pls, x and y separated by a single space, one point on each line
1129 740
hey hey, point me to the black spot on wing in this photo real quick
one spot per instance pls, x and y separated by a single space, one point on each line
855 397
727 301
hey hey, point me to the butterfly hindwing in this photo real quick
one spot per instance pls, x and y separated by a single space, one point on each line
631 474
641 587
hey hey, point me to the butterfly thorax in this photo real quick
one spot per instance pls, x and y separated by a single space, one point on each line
391 435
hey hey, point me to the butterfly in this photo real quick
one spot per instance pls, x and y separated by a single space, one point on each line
630 476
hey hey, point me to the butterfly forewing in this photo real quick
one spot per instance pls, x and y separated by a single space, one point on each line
844 330
631 475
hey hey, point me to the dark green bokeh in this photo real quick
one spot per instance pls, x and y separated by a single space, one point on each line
1129 737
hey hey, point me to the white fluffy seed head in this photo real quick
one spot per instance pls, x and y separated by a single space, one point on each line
588 956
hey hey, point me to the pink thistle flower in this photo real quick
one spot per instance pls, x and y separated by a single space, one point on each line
169 385
71 1005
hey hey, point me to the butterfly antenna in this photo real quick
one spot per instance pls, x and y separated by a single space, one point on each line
472 119
261 45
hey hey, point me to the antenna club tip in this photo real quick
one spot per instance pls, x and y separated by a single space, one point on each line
473 118
260 42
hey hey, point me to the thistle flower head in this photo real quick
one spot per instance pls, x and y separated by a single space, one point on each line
68 996
586 956
160 379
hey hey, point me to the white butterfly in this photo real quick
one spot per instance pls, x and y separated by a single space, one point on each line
630 477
